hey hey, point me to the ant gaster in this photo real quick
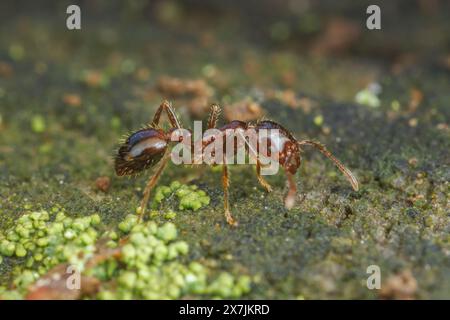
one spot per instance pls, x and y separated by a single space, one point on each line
147 147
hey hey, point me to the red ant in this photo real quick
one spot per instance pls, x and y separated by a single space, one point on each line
148 146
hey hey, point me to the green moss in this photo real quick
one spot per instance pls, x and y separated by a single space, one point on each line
16 51
368 98
149 262
190 197
38 124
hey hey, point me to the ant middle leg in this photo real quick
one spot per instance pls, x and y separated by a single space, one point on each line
226 184
151 183
261 180
167 107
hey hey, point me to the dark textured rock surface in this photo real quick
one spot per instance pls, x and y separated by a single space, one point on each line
67 97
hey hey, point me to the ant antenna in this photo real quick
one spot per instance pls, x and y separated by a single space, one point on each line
326 153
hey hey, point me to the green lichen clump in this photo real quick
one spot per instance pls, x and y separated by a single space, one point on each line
151 268
190 197
38 244
369 96
149 265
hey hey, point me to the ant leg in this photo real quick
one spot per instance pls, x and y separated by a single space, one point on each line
213 116
290 197
341 167
151 183
167 107
252 153
261 180
226 183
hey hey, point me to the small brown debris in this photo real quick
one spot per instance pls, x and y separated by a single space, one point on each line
207 39
175 87
198 107
142 74
290 98
40 67
429 7
413 122
6 70
251 66
415 198
195 94
442 126
306 104
413 161
416 97
326 130
93 79
71 99
404 61
103 183
288 78
338 37
245 110
402 286
54 286
445 62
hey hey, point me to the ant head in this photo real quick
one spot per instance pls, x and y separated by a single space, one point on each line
141 150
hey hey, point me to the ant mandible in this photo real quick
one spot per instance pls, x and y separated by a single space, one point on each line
148 146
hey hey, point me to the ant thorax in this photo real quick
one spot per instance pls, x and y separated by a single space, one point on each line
235 143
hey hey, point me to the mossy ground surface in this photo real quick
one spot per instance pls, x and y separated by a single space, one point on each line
51 152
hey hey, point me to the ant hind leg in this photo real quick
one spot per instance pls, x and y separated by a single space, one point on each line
226 183
289 201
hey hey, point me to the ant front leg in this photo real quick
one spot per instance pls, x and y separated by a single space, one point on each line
212 122
151 183
226 184
173 119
